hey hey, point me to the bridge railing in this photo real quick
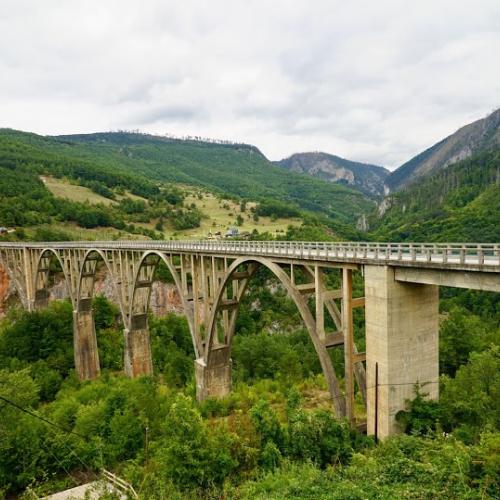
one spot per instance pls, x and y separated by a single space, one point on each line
444 253
423 252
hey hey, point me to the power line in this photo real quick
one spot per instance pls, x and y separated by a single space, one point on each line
60 464
53 424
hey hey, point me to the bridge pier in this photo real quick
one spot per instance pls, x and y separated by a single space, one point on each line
402 339
213 380
138 359
41 300
85 344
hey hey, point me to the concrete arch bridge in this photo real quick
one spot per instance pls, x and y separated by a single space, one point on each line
400 301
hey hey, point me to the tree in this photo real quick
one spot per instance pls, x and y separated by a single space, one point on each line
461 334
472 398
188 454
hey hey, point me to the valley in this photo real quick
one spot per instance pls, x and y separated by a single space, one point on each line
249 250
276 434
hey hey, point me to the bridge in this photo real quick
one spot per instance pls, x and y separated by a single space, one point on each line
401 283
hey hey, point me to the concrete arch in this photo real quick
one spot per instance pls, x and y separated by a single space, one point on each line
41 292
308 318
161 257
81 277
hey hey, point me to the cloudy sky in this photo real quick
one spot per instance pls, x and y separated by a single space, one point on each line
374 81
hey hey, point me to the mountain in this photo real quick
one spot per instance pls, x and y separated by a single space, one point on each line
369 179
478 136
235 169
121 164
457 203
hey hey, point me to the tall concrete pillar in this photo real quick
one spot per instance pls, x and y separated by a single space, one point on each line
85 343
41 299
402 334
138 359
213 379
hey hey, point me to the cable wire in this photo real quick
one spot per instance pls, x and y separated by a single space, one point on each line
53 424
60 464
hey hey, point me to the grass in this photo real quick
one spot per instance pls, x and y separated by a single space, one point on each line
63 189
82 234
219 214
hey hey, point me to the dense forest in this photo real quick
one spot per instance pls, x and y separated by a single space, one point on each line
458 203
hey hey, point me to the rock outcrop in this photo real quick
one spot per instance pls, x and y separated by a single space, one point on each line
6 290
367 178
164 296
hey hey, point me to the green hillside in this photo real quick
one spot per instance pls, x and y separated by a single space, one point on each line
238 169
120 184
459 203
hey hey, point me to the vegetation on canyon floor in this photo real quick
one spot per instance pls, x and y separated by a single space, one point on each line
274 437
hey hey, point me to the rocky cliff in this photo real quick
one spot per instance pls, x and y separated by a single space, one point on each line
364 177
6 291
164 296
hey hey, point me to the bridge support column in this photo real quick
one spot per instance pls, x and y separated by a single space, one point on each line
85 345
138 360
214 380
41 299
402 340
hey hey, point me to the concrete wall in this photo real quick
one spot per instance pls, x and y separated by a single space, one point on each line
402 337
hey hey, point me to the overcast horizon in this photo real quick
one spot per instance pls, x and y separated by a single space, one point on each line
370 82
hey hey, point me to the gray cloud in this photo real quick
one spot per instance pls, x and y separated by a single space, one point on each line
371 81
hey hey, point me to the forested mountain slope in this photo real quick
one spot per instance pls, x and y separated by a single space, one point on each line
481 135
459 203
124 165
238 169
367 178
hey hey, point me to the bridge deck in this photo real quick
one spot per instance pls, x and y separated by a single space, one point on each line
449 256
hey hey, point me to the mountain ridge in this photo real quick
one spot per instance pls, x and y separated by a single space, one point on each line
140 163
457 203
480 135
365 177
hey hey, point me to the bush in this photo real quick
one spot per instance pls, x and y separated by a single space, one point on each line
422 417
40 335
172 349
